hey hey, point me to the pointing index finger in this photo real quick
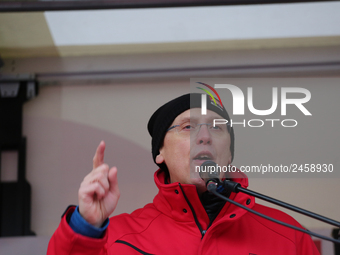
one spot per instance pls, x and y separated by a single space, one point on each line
98 158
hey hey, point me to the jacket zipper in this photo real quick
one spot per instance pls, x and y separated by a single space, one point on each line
213 219
193 213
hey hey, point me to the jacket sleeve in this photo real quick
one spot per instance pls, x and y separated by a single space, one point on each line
66 242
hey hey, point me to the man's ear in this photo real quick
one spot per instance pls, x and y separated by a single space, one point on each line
159 158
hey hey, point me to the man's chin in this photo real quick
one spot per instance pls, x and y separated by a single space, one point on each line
200 185
201 189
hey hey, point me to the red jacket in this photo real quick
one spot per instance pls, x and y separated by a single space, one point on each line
175 224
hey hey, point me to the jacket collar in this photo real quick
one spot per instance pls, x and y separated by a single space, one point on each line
182 203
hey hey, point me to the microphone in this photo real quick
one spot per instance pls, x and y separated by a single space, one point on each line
208 173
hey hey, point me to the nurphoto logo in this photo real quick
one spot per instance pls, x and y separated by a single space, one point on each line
239 104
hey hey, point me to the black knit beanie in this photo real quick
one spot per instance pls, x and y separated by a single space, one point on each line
163 117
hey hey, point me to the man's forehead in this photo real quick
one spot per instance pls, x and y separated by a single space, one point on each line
195 115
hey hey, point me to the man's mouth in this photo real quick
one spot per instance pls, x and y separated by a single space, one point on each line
204 156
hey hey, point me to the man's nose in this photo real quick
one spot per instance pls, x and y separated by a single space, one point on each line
203 136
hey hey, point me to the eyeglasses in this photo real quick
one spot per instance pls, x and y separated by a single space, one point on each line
193 128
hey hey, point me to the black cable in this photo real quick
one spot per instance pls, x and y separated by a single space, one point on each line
271 219
290 207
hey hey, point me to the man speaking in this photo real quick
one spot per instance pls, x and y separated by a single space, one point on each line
184 217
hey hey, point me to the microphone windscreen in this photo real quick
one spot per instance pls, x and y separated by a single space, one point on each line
208 171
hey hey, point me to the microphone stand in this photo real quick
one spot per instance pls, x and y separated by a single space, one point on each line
231 186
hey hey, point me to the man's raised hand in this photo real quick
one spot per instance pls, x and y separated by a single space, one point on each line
98 193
